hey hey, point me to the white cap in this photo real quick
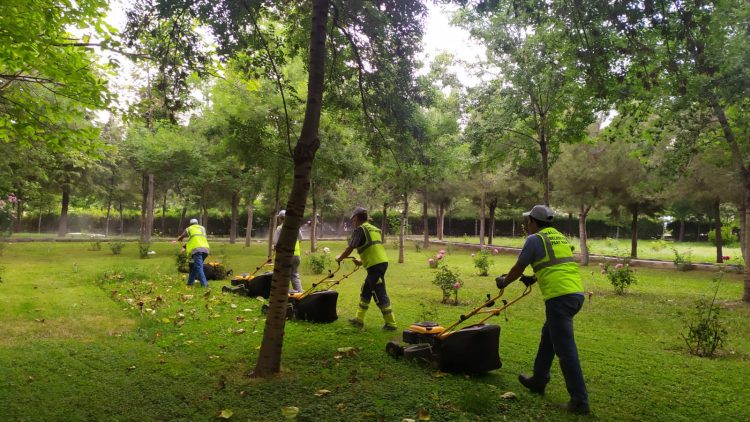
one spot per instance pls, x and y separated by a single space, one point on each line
281 214
193 221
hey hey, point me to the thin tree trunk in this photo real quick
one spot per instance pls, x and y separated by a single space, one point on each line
583 211
543 148
440 213
272 217
717 231
249 231
425 224
62 227
122 219
109 216
235 217
181 224
384 221
634 233
19 215
402 232
314 225
481 217
681 235
148 219
746 247
269 357
491 231
164 215
39 223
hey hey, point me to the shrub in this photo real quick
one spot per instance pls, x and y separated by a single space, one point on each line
418 247
435 260
183 265
482 262
6 216
116 247
143 248
95 246
728 238
683 261
449 283
318 262
620 275
706 332
659 245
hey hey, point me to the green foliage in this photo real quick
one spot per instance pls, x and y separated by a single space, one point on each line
620 275
319 262
394 222
95 246
181 261
427 312
482 262
143 248
659 245
706 331
728 238
418 247
116 247
449 283
683 261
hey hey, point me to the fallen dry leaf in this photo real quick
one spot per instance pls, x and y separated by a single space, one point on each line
423 415
508 395
322 393
290 412
225 414
240 331
439 374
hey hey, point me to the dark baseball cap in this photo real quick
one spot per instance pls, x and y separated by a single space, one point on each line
358 211
540 212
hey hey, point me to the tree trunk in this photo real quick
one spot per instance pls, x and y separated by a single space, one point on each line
491 231
425 224
634 233
681 235
62 227
717 231
583 211
249 231
269 357
544 150
164 214
314 225
109 216
181 224
746 247
743 235
122 219
19 215
440 221
402 231
481 217
39 222
233 229
148 219
384 221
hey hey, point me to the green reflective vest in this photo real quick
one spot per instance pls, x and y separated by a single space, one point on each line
372 251
296 245
196 238
557 273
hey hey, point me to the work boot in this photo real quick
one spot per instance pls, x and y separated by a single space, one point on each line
387 327
356 323
532 384
576 408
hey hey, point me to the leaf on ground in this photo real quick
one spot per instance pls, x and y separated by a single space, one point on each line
240 319
290 412
341 407
233 306
346 351
439 374
321 393
166 320
243 393
213 357
508 395
225 414
130 368
40 320
240 331
407 420
423 415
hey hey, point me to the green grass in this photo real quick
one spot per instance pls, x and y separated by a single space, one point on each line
701 252
75 346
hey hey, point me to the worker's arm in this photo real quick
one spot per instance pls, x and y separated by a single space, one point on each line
182 236
515 272
344 254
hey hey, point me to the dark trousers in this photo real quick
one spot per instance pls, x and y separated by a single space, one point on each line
557 339
374 285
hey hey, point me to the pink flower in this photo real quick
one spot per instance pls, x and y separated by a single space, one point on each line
442 252
430 261
440 257
457 285
12 198
618 266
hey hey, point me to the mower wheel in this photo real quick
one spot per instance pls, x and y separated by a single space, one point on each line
394 349
419 352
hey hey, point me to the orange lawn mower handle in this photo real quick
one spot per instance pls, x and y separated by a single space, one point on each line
267 262
330 275
481 310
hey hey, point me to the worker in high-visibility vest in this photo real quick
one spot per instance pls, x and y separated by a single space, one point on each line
296 258
551 256
367 240
196 249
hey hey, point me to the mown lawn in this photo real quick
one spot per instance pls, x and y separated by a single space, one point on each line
75 346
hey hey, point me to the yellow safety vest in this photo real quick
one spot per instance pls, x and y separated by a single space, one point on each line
296 245
557 273
196 238
372 251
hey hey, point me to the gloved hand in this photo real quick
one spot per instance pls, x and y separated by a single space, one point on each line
528 280
500 281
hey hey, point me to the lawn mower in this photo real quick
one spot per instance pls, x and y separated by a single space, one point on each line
318 303
251 285
473 349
